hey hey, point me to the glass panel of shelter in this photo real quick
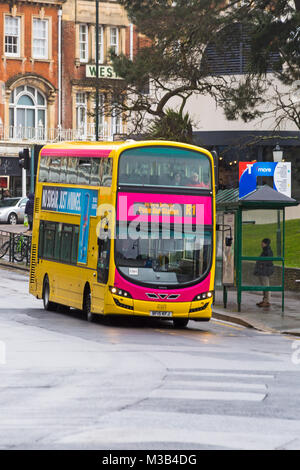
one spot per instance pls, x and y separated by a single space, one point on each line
262 236
259 225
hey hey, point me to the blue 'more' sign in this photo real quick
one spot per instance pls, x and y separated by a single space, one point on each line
250 171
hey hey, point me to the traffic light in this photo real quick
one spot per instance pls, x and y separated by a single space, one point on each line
24 160
4 182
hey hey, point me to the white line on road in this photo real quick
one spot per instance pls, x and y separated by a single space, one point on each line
207 395
227 385
220 374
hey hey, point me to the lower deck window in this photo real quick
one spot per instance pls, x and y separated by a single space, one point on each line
58 241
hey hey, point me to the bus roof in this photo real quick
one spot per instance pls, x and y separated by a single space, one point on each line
70 147
80 148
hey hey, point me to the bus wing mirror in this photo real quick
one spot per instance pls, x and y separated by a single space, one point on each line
228 241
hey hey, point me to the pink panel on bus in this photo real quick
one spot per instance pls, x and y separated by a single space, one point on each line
139 292
193 208
76 152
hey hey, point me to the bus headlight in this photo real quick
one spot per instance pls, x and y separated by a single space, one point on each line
120 292
204 295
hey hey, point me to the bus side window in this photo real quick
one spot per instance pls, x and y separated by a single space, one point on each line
84 171
63 169
54 170
103 260
95 172
44 169
72 170
107 172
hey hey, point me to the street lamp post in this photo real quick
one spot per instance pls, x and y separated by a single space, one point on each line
97 71
277 154
277 157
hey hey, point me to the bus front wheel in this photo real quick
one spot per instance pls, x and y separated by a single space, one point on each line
87 304
180 322
46 296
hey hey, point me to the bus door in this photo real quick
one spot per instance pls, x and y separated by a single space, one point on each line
102 274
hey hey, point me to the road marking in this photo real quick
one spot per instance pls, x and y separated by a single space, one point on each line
180 385
207 395
292 337
230 325
219 374
194 335
204 384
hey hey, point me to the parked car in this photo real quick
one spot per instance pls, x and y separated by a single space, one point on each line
12 210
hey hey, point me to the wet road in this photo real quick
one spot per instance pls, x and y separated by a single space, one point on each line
124 384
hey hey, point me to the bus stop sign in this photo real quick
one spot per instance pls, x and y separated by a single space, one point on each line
250 171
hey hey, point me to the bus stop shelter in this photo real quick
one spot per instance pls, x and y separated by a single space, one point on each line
243 224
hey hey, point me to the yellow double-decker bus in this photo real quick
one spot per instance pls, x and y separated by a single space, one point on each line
125 228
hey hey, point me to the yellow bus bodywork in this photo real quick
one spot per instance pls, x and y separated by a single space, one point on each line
68 282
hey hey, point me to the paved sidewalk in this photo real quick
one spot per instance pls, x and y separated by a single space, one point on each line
18 228
265 319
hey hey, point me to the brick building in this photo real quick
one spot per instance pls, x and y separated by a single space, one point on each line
47 74
29 34
29 66
79 69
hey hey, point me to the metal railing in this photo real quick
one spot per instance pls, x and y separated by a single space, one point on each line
42 135
15 247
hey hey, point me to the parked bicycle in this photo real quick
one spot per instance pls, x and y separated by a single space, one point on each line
17 248
4 249
21 247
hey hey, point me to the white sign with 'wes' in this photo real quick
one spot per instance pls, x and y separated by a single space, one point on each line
104 71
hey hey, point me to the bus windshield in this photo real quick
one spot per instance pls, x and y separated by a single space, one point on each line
164 166
157 261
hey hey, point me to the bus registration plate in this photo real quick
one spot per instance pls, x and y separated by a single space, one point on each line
159 313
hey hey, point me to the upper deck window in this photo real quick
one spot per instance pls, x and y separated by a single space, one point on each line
75 170
164 166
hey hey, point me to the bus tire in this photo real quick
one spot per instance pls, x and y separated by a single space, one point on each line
86 305
49 306
180 322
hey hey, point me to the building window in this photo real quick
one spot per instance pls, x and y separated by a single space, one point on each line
12 36
83 43
81 113
114 39
40 39
229 53
116 121
102 125
101 114
27 113
101 45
